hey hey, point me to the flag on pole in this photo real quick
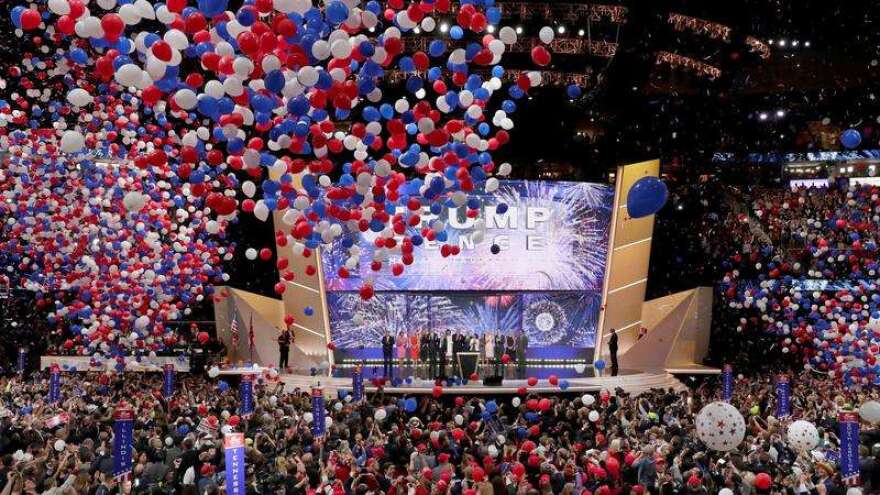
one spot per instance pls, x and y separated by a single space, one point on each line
251 337
233 327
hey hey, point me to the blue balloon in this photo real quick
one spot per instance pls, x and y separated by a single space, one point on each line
599 364
850 138
646 197
574 91
411 405
308 311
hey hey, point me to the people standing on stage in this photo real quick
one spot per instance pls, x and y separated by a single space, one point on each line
387 353
510 350
401 343
458 345
474 343
499 350
435 357
415 351
284 339
489 349
425 353
450 350
612 350
522 343
444 352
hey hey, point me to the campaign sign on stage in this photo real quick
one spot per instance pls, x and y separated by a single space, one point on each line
123 438
727 383
54 383
168 381
849 447
783 397
318 413
233 444
357 384
246 394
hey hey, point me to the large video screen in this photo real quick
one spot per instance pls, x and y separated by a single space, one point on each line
552 236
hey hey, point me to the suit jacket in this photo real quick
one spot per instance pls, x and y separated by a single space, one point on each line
387 343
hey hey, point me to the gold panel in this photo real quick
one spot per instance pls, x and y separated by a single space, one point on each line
630 264
629 230
625 306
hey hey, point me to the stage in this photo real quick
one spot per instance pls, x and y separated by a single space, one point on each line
633 382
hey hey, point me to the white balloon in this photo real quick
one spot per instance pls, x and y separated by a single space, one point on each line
308 417
507 35
248 188
802 436
79 97
341 48
870 411
186 99
505 169
129 75
491 184
134 201
72 141
459 419
593 416
261 211
59 7
516 402
129 14
725 491
546 34
250 254
720 426
380 414
60 445
588 400
580 367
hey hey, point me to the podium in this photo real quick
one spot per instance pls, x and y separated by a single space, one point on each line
467 363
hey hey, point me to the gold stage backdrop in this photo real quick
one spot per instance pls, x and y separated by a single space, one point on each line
623 299
629 252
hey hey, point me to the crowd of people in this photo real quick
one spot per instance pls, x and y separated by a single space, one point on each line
561 444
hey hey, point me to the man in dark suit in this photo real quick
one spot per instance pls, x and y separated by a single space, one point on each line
435 356
612 350
522 343
387 353
444 345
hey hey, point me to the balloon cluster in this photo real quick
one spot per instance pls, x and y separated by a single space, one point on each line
819 297
176 116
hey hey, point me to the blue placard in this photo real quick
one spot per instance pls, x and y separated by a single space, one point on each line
783 397
727 383
233 445
357 385
123 438
849 447
246 394
22 359
168 381
318 414
54 383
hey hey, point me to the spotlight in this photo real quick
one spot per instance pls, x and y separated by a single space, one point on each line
769 42
782 43
780 113
580 32
762 116
807 44
519 30
795 43
849 169
444 27
560 29
490 28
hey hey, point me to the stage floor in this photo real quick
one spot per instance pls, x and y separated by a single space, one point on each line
633 382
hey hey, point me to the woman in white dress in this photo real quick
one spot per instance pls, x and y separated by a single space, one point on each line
489 346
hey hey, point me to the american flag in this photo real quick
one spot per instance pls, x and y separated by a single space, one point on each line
251 337
233 329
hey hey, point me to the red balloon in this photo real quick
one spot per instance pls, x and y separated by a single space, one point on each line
505 358
30 20
554 380
203 337
280 287
113 26
366 292
540 55
437 391
265 254
544 404
234 421
763 481
532 381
